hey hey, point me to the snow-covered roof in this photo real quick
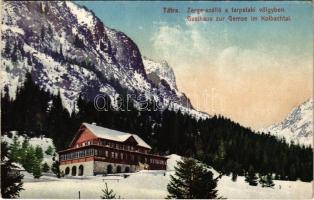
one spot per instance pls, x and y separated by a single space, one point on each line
114 135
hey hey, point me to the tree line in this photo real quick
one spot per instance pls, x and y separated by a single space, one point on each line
218 141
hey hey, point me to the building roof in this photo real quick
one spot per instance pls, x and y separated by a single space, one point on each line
114 135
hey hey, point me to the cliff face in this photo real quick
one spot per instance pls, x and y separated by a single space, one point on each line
68 49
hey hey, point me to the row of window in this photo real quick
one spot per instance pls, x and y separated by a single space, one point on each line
114 145
78 154
109 154
84 144
156 161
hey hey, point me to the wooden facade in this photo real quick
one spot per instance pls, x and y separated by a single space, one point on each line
88 146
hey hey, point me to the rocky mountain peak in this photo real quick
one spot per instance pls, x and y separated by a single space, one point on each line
297 126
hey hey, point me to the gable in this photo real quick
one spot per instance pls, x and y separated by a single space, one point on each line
131 140
83 134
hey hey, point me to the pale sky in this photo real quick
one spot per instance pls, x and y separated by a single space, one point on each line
251 72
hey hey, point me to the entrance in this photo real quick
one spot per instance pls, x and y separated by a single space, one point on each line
109 169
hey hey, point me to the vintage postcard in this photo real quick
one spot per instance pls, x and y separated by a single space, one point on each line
156 99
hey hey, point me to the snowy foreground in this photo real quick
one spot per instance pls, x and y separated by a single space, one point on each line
153 184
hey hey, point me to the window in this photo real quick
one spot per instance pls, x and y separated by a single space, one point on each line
116 155
106 153
112 154
100 152
86 152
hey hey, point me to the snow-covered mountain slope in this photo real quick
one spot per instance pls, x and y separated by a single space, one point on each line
297 126
68 49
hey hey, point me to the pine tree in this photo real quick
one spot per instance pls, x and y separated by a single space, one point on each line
269 181
6 110
39 153
262 180
292 173
219 159
23 151
55 168
25 145
15 150
108 194
11 180
57 129
234 177
192 180
251 177
37 168
45 167
49 150
28 161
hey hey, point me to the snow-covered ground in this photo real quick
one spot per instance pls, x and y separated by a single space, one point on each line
153 184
